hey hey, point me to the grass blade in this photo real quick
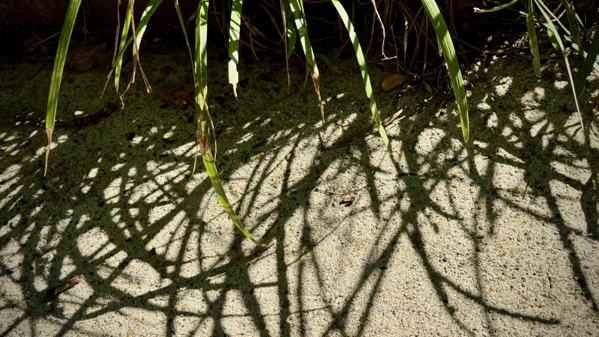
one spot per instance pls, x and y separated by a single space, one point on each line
376 115
234 37
291 37
556 37
297 10
434 14
118 65
532 39
572 22
138 35
205 126
57 71
184 30
590 60
495 9
222 197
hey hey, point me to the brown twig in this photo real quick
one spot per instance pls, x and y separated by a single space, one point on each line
52 293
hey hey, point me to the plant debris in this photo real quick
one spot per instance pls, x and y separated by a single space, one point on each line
53 293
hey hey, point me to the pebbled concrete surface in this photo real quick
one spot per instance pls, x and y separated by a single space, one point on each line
496 237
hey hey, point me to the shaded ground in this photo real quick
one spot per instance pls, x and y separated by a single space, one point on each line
496 237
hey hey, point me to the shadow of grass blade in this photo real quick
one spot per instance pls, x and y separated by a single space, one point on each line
376 115
532 39
205 126
299 15
57 71
234 36
556 38
453 67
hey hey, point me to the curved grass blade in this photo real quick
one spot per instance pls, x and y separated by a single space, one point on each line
376 115
573 21
234 37
118 64
324 60
590 60
205 126
495 9
556 38
434 14
299 15
184 30
57 71
291 36
217 184
138 35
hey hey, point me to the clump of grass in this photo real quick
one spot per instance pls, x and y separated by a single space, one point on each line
563 39
294 27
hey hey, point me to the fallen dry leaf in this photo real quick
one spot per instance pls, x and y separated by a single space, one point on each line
179 97
91 53
393 81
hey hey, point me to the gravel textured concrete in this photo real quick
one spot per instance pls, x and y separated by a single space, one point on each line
494 237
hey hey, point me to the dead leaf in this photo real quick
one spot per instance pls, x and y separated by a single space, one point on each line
393 81
91 53
179 97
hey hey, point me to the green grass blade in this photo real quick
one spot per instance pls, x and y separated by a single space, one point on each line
532 39
324 60
200 66
122 45
139 33
590 60
584 54
57 71
290 32
496 9
200 63
572 22
184 30
151 7
556 37
222 196
453 67
291 39
234 37
548 14
376 115
299 15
